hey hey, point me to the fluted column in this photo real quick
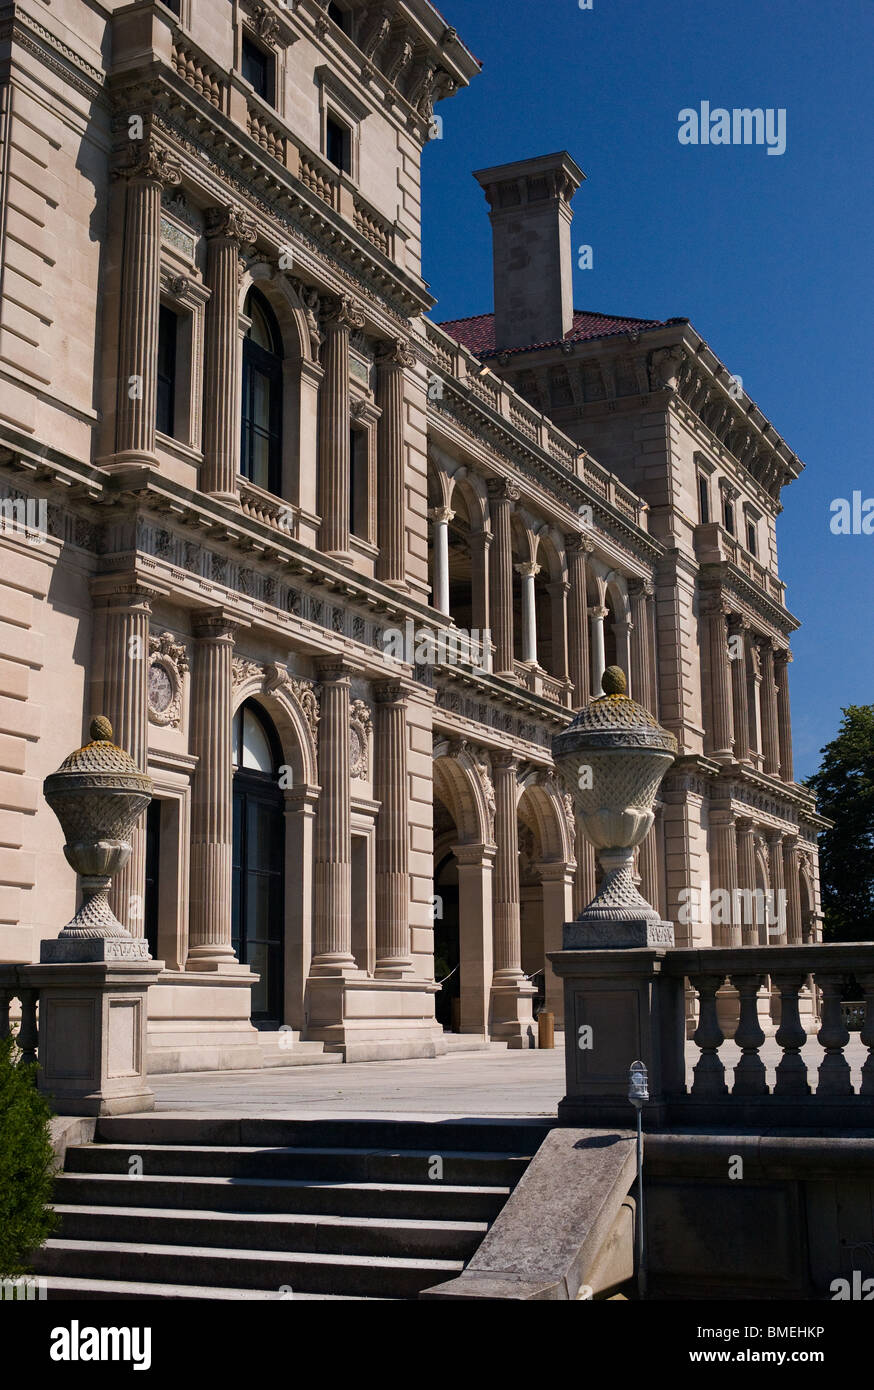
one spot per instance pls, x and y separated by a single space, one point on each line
777 930
125 703
782 661
599 660
212 834
642 685
332 925
718 742
150 169
441 517
738 629
746 874
391 362
228 231
584 879
793 890
755 690
502 495
724 877
511 992
334 462
480 544
529 571
393 959
770 737
578 549
649 868
558 593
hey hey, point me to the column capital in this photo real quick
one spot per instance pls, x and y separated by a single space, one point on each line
217 625
746 825
479 854
528 569
149 162
506 762
124 591
783 656
577 543
335 669
231 223
344 313
596 612
445 514
641 588
738 621
502 490
393 692
395 353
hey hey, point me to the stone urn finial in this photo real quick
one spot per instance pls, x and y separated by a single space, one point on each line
613 757
98 794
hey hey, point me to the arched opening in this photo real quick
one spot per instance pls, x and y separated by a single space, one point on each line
610 643
462 893
261 442
258 922
460 567
447 937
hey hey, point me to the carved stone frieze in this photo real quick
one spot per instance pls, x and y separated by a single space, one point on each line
359 740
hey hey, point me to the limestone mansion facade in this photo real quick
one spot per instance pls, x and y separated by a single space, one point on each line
238 456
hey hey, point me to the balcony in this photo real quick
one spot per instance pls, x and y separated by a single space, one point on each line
714 545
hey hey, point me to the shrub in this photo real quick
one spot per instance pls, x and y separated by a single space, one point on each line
27 1164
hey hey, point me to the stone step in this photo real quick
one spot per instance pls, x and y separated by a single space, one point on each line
59 1286
435 1200
274 1231
316 1165
378 1276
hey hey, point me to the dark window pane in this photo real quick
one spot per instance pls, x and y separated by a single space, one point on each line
165 416
338 145
153 856
257 67
703 501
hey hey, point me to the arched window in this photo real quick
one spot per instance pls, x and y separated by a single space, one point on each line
261 450
258 919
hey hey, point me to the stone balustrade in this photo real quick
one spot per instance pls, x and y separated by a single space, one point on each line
11 988
633 1004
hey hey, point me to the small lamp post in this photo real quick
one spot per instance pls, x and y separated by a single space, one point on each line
638 1094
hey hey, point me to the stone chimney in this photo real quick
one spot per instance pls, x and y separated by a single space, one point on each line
531 217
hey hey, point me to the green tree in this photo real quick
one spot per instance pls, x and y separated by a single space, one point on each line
844 787
27 1164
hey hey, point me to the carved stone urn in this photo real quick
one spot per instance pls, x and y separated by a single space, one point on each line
98 794
613 757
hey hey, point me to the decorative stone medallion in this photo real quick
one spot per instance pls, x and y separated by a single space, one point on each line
167 664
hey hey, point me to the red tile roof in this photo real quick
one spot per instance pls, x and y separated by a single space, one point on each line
478 333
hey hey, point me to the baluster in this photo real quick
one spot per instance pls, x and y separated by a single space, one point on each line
27 1034
866 1034
792 1069
749 1075
834 1069
709 1072
6 998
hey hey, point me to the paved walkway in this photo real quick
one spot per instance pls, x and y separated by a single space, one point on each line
494 1082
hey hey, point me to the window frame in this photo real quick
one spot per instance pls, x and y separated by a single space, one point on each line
250 43
270 365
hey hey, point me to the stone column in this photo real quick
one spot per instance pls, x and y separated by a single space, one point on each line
584 880
718 741
394 358
578 548
793 891
332 926
480 543
738 629
334 461
126 705
649 868
557 880
755 691
393 958
778 888
599 661
770 739
511 992
558 592
476 945
746 873
724 876
441 517
228 231
642 685
502 495
782 661
150 169
212 831
529 571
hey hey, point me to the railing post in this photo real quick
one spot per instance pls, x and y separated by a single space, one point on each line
792 1069
834 1069
866 1035
27 1033
749 1074
709 1072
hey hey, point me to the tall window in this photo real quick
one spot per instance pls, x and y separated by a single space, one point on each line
338 144
358 481
168 326
261 449
703 500
258 69
752 545
728 514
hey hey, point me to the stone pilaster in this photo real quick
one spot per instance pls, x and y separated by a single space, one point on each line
777 930
755 700
793 890
228 231
746 874
212 831
334 462
502 496
738 630
724 877
393 959
718 740
332 924
642 684
584 879
649 868
558 593
578 549
782 660
125 703
149 171
770 737
511 992
391 363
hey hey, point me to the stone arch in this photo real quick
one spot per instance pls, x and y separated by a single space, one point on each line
287 305
465 791
541 803
284 707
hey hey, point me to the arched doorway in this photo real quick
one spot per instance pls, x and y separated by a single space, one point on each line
258 860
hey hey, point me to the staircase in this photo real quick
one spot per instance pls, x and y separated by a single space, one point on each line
270 1209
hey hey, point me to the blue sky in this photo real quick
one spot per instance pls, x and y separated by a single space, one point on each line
769 256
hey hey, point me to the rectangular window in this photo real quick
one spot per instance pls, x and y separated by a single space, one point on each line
703 501
258 69
728 515
358 467
751 538
338 144
168 330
